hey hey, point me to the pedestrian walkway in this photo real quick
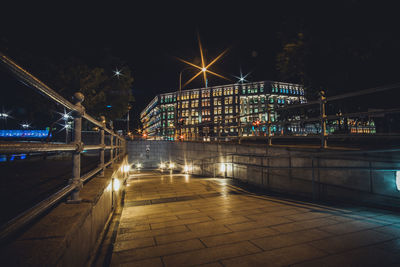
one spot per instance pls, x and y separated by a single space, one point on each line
179 220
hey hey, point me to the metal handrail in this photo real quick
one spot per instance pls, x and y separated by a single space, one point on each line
31 80
117 150
321 119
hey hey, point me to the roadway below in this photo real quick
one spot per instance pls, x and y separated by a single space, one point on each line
181 220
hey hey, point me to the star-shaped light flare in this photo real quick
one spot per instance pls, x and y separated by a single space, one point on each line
65 116
241 78
204 68
118 73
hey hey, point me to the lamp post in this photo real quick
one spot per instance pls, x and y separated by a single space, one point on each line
127 119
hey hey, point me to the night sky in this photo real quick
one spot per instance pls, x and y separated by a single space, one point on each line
149 36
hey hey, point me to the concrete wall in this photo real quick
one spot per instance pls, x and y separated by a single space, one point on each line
367 177
70 234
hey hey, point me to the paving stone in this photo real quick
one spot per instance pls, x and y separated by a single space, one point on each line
393 229
179 222
126 228
368 256
213 264
156 251
302 225
192 234
392 246
348 227
351 241
277 257
307 216
154 262
290 239
278 213
210 254
261 223
150 233
133 243
237 236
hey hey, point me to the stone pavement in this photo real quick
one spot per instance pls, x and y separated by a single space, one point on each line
179 220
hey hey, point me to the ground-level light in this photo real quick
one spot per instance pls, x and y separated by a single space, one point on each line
116 184
126 168
222 167
186 168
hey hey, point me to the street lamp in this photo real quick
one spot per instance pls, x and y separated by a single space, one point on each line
180 78
179 104
127 124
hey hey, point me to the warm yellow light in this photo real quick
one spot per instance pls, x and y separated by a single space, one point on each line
162 165
222 167
116 184
186 169
126 168
204 67
171 165
109 187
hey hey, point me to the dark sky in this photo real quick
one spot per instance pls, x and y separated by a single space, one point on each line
149 36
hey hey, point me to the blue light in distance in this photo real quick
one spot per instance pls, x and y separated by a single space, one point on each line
24 133
108 106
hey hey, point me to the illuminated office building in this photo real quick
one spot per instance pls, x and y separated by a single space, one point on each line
214 111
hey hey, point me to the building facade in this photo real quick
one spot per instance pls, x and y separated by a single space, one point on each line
220 110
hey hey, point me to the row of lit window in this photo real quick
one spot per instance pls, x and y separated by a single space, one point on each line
189 95
228 110
288 91
225 120
262 101
205 112
205 102
168 99
170 108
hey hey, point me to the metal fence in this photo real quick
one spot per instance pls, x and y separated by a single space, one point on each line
320 118
117 148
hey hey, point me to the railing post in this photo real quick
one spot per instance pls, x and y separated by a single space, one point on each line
103 121
239 131
118 148
112 149
323 119
76 164
269 126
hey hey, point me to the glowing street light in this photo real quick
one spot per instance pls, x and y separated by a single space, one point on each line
65 115
25 125
204 69
118 73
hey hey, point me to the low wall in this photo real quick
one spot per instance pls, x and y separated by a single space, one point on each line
369 177
69 234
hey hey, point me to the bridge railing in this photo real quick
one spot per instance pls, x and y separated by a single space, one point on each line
117 148
319 119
